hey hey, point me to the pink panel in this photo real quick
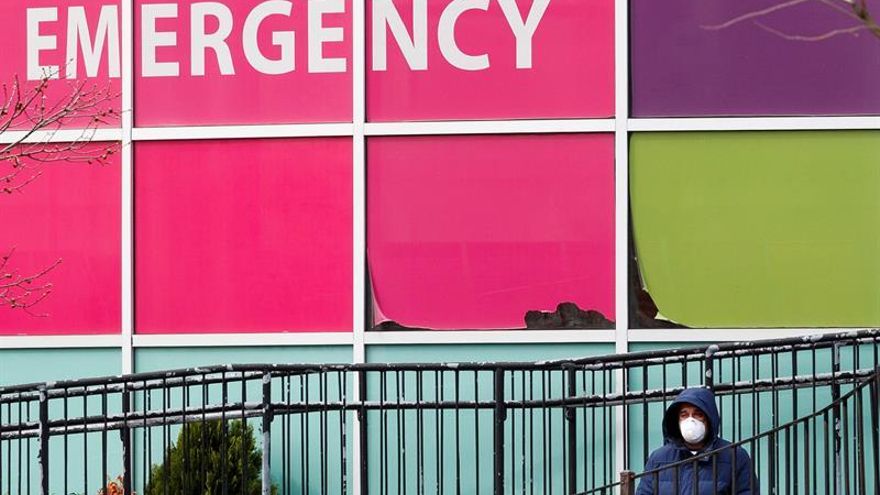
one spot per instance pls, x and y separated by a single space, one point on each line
70 212
243 236
571 73
247 96
472 232
14 62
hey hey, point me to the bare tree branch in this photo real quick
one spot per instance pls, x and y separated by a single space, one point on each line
754 15
31 123
819 37
855 10
842 6
86 106
23 292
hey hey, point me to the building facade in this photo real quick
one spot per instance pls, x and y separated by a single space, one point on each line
442 180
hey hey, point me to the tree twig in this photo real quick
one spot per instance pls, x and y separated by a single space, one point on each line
31 124
23 292
856 10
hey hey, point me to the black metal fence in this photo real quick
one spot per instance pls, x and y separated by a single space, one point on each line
804 409
831 450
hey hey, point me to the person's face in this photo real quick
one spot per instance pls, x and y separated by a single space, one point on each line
690 411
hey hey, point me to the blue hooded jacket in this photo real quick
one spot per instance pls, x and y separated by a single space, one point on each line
732 467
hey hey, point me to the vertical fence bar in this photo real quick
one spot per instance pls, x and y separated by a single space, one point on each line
125 437
835 417
500 416
710 366
875 429
362 432
44 442
571 418
267 434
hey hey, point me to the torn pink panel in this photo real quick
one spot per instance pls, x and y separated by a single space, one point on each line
70 212
378 316
472 232
243 235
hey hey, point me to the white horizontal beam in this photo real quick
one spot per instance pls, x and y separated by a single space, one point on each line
684 335
490 337
711 335
451 128
61 136
490 127
60 342
241 132
754 124
243 339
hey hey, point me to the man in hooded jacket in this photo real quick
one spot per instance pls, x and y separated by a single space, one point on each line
690 428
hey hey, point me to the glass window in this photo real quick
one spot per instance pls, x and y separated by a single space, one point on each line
484 232
61 230
752 57
757 229
243 235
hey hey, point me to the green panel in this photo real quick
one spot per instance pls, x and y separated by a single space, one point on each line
750 229
482 352
19 366
152 359
659 346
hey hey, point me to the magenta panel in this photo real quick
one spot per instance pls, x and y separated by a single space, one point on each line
243 236
473 232
69 212
41 37
559 65
242 62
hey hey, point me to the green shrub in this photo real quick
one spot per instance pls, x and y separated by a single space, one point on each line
195 461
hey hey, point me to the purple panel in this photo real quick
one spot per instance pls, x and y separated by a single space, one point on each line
773 57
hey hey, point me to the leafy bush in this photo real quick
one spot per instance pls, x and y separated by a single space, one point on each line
195 461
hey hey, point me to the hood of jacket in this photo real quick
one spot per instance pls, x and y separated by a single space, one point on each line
700 397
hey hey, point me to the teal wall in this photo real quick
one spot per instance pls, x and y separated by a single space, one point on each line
434 353
296 438
535 440
160 358
39 365
19 366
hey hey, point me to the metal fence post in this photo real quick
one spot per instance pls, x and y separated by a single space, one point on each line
500 417
44 442
627 483
362 430
125 434
267 434
710 366
571 418
836 420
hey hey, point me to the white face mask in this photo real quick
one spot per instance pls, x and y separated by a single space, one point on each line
692 430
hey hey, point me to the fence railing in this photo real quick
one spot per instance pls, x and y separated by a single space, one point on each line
838 454
805 410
